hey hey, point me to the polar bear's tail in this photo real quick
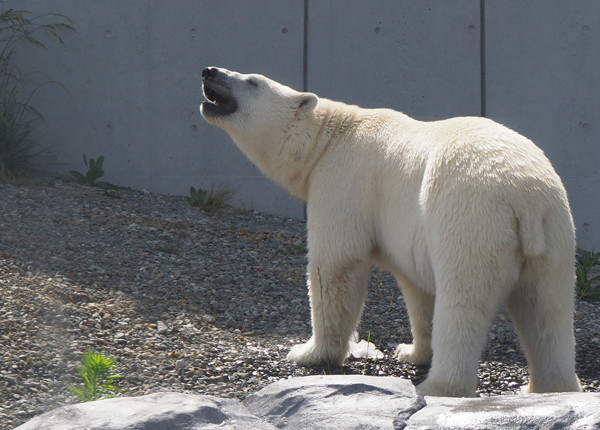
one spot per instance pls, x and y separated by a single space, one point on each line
531 233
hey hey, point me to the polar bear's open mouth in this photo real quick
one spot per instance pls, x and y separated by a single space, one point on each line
220 101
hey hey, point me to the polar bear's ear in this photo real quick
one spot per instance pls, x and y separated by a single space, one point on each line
306 102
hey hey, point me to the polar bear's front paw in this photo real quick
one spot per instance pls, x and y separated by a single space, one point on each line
301 354
308 354
418 356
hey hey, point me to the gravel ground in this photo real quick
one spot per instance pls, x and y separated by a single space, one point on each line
184 300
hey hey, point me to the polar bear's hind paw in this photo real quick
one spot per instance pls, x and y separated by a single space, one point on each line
407 353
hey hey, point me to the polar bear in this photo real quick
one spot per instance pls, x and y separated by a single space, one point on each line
466 213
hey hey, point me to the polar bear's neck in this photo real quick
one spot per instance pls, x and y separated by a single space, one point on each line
331 127
310 139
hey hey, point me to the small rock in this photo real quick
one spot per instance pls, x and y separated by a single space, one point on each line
161 327
207 318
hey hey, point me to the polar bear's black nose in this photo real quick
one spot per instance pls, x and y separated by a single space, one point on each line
209 72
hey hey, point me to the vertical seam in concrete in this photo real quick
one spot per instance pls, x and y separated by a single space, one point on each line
305 66
305 49
482 56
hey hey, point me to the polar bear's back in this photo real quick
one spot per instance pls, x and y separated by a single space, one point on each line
490 170
482 156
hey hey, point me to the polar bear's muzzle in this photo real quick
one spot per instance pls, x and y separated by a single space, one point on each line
220 100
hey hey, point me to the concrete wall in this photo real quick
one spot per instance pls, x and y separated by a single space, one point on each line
132 79
419 57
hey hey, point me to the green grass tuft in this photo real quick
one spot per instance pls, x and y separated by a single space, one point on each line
210 200
584 284
97 375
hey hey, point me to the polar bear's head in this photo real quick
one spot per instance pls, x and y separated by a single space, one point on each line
236 101
261 115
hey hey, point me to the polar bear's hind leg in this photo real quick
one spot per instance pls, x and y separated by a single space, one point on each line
420 311
541 309
475 267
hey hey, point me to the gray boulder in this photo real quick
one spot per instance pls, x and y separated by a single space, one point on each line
160 411
328 402
533 411
337 402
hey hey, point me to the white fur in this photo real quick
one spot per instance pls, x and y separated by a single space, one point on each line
467 214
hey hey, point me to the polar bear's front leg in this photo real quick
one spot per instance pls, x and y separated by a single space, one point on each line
337 296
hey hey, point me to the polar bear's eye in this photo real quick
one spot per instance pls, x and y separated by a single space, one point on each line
253 82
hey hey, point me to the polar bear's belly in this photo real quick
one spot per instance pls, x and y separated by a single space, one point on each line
405 255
